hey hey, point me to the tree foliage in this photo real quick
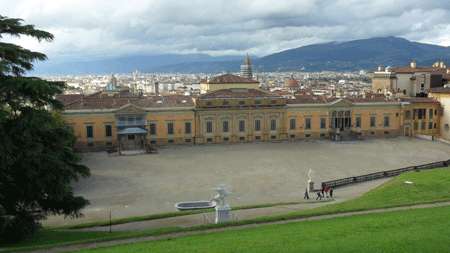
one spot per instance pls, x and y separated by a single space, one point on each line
36 161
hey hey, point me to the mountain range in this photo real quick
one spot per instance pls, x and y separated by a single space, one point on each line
333 56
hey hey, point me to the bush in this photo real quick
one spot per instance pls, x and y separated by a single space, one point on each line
17 228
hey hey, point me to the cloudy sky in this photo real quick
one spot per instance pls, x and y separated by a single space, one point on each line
100 28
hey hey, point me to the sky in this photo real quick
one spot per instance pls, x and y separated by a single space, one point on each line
86 29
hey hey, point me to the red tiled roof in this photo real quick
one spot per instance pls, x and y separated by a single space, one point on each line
105 102
439 90
69 98
408 69
419 100
237 93
230 78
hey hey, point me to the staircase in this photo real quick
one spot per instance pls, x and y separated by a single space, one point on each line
348 136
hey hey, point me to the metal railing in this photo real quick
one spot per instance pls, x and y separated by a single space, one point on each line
383 174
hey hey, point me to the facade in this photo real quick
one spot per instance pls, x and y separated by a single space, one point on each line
442 94
127 121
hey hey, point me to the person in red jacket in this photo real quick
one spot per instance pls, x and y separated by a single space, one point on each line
326 191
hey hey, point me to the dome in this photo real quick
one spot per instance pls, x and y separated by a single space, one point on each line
291 83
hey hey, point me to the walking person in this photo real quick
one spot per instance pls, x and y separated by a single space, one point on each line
323 191
319 195
306 194
326 191
331 193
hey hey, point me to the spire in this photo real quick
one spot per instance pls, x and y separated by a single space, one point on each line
247 60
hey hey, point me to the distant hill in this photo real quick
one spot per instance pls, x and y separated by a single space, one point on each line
354 55
333 56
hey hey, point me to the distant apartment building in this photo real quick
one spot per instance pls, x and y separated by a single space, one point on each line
412 80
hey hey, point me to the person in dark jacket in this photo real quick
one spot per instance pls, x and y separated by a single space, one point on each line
331 192
306 194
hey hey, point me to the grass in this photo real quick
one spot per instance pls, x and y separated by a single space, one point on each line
171 214
429 187
417 230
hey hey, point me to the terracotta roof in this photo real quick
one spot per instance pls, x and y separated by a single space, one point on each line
408 69
439 90
282 92
105 102
69 98
230 78
305 91
238 93
419 100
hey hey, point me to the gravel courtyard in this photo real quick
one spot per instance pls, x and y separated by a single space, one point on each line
255 172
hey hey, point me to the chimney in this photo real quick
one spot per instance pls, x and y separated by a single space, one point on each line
413 64
156 88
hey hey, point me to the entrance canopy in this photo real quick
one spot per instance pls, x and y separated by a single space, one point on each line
133 130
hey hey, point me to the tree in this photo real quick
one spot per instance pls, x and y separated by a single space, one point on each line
36 161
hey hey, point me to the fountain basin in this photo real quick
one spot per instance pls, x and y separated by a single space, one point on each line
194 205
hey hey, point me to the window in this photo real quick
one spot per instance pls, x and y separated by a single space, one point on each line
430 125
109 144
407 114
372 133
257 125
386 132
308 135
225 126
188 140
153 142
274 102
273 124
242 138
225 102
308 123
257 137
372 121
422 126
435 112
241 102
226 139
430 114
108 130
241 126
435 125
419 113
90 144
333 114
170 128
170 141
323 123
257 102
152 128
386 121
208 103
292 124
209 126
90 131
416 125
292 136
273 137
358 121
347 113
323 135
209 139
130 121
187 127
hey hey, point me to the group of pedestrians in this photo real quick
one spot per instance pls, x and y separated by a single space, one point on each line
321 194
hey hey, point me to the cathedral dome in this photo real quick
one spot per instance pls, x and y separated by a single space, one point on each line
291 83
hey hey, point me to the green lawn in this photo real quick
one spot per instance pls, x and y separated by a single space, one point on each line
418 230
429 187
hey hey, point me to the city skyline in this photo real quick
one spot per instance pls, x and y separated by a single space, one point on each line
103 29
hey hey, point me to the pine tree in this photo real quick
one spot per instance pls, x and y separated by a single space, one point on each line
36 161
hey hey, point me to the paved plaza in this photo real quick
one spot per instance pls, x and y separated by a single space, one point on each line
255 172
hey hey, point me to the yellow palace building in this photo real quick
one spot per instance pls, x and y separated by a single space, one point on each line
111 119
